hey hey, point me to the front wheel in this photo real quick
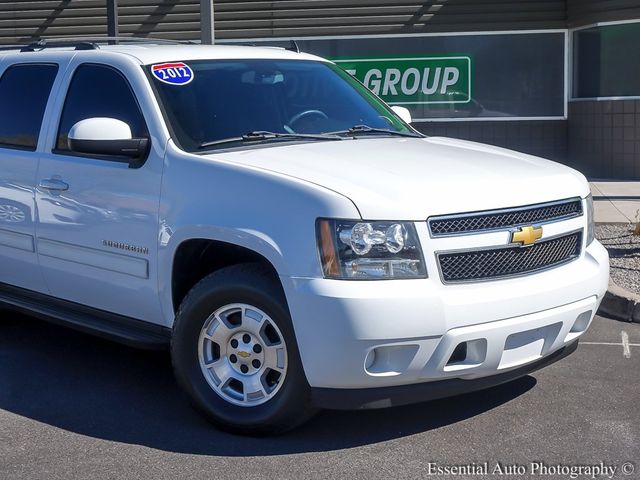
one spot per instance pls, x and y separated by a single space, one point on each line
234 352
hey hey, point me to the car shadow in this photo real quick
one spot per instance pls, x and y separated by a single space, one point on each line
103 390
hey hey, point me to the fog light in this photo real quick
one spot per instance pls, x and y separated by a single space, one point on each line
390 360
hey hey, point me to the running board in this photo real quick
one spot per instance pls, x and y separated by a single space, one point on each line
111 326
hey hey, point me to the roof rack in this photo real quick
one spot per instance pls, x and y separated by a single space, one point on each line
10 47
293 46
90 43
42 44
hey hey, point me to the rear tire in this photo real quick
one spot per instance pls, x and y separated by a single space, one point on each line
235 354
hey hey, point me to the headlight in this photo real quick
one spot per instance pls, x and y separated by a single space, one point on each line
590 222
369 250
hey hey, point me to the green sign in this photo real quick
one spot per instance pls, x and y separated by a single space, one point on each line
415 80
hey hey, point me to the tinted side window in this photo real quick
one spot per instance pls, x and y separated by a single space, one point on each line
99 91
24 91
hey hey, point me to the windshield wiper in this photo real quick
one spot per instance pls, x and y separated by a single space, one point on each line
259 136
359 129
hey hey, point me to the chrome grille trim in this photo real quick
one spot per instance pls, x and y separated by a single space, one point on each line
504 219
496 263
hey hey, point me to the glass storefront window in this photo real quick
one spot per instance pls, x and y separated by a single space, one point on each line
605 61
502 76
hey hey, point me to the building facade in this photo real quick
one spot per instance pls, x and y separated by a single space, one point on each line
559 79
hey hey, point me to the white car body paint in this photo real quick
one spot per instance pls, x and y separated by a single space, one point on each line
268 200
100 129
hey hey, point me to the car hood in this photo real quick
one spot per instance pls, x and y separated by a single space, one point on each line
414 178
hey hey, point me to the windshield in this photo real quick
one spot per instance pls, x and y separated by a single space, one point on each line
209 101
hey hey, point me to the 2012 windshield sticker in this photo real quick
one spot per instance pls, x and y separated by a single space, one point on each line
177 73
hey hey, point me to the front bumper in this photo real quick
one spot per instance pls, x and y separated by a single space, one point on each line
379 334
372 398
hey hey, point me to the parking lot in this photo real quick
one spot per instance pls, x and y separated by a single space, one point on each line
72 406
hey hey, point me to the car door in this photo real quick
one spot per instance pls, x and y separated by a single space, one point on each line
97 230
24 92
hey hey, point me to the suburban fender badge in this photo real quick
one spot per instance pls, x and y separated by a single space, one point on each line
526 235
174 73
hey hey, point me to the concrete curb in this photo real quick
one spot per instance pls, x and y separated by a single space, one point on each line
620 304
611 223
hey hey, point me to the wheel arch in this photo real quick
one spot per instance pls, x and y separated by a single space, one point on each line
195 256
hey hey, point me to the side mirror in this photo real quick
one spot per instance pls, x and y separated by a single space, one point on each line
106 136
402 112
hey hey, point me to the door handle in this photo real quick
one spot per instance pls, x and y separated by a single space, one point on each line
53 184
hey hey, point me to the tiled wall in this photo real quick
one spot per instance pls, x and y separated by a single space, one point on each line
604 138
546 139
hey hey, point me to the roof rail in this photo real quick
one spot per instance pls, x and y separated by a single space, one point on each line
91 43
10 47
42 44
293 47
125 39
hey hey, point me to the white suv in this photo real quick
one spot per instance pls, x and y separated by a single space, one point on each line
296 242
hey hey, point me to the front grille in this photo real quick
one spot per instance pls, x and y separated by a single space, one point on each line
503 219
495 263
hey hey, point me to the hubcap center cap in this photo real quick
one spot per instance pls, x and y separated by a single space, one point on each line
245 352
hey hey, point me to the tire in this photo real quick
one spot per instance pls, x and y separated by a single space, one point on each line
205 369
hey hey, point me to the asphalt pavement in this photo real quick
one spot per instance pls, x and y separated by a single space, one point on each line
73 406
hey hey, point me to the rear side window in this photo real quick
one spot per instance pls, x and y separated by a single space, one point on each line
99 91
24 92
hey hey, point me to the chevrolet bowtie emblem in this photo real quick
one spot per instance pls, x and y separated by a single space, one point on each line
244 354
526 235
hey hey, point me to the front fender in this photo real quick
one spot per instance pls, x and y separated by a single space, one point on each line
269 213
